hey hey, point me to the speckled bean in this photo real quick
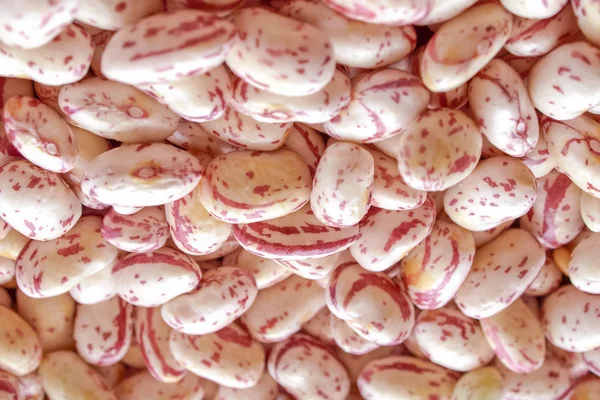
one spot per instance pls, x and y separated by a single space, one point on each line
383 103
583 265
65 59
498 190
141 175
319 327
7 270
30 387
153 335
517 337
266 272
217 7
502 109
20 348
276 313
307 143
501 271
347 339
228 357
396 377
386 236
547 280
144 231
115 14
314 268
434 270
464 45
66 376
590 211
116 111
103 331
46 269
588 15
190 135
168 47
51 318
226 187
534 9
452 340
12 244
36 202
279 54
265 389
483 383
565 83
372 304
94 288
154 278
144 385
198 99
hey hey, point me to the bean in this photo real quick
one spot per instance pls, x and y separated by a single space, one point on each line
30 387
7 270
266 272
307 143
116 111
547 280
46 269
228 357
259 56
483 383
319 327
590 211
347 339
115 14
112 374
534 9
143 385
94 288
168 47
385 12
434 270
153 278
144 231
484 237
587 19
581 265
438 150
20 349
265 389
217 7
192 136
222 296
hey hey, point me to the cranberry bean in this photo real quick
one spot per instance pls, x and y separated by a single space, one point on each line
266 272
20 349
547 280
296 236
141 175
39 134
517 337
30 387
318 107
319 327
484 237
126 210
314 268
225 191
10 87
261 57
587 389
355 363
347 339
199 99
48 95
592 360
51 318
153 334
565 83
35 23
243 131
231 244
438 150
538 160
65 59
276 313
143 385
372 304
590 211
222 296
144 231
46 269
99 41
483 383
573 145
7 270
154 278
434 270
265 389
66 376
12 244
342 185
502 109
94 288
23 186
115 14
355 43
385 12
550 381
383 103
307 143
9 387
190 135
452 340
464 45
112 374
218 7
116 111
534 9
134 357
501 271
568 323
228 357
386 236
168 47
582 265
522 65
574 362
587 18
498 190
555 218
534 37
103 331
307 369
405 377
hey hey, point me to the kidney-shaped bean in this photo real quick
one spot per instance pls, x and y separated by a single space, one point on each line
483 383
115 14
143 385
547 280
94 288
20 348
535 9
346 338
266 272
145 230
583 271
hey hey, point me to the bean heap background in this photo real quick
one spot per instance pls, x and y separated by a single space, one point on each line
299 199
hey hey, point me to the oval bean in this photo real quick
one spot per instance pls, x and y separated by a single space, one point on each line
20 349
143 231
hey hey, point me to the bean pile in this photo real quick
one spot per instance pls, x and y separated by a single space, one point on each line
300 199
